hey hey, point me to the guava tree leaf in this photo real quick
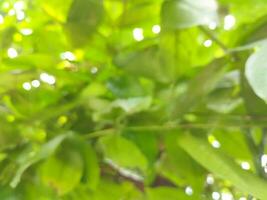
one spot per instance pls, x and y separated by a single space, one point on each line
123 152
178 14
132 105
91 170
62 172
256 72
44 152
179 167
57 9
223 166
144 63
255 105
200 86
83 19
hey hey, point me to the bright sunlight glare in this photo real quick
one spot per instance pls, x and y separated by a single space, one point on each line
156 29
227 196
210 179
138 34
1 19
212 25
67 56
47 78
229 22
35 83
12 53
215 195
207 43
26 31
245 165
27 86
188 191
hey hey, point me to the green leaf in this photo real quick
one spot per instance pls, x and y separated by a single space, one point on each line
44 152
56 8
133 105
255 106
256 72
63 171
123 152
115 191
230 140
144 63
83 19
179 167
223 166
148 12
178 14
91 170
199 87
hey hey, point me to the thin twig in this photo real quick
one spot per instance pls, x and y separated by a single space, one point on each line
214 38
167 127
256 152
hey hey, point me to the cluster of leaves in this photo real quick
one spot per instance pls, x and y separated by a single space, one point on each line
132 99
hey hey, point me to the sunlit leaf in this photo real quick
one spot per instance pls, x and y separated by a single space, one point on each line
223 166
178 14
44 152
117 149
255 72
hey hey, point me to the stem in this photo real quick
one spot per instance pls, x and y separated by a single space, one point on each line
214 38
263 141
100 133
170 127
256 151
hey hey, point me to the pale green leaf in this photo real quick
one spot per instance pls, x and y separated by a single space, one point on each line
177 14
45 151
256 72
123 152
223 166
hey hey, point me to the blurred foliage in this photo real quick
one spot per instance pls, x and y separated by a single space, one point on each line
133 99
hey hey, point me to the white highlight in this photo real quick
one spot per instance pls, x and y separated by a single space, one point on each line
212 25
245 165
229 22
189 191
36 83
26 86
68 56
211 5
216 144
207 43
26 31
20 15
1 19
138 34
156 29
94 70
11 12
227 196
216 195
19 5
47 78
12 53
242 198
264 160
210 179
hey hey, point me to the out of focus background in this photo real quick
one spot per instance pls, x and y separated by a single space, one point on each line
133 99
